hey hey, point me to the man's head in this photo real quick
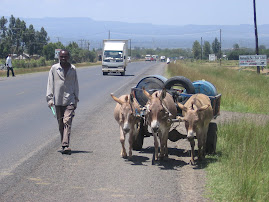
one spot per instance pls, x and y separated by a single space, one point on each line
64 56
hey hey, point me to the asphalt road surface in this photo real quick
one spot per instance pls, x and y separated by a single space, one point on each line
33 169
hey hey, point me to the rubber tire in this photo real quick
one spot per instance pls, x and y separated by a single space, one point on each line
211 141
139 139
149 83
185 82
105 73
122 73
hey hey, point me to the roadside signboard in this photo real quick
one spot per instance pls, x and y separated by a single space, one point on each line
211 57
252 60
57 51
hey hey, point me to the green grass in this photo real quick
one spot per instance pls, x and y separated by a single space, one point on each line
242 91
241 172
240 169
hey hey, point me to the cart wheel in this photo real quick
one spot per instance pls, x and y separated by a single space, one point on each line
211 141
122 73
104 73
139 139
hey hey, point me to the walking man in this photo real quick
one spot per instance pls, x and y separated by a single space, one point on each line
62 91
9 65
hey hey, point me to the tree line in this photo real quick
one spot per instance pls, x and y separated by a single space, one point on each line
200 52
18 38
203 51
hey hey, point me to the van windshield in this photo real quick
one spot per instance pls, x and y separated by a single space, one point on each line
113 54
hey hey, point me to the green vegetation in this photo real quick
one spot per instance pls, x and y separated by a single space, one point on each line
19 40
140 53
16 37
239 169
242 91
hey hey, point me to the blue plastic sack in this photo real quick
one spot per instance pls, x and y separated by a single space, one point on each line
205 87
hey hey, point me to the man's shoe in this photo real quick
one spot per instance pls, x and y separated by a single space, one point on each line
66 150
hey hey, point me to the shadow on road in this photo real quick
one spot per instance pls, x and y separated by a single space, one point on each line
169 164
78 152
209 159
171 151
172 162
179 152
115 74
138 160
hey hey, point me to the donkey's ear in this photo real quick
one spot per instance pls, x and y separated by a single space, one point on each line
116 99
126 98
182 107
203 107
147 94
163 94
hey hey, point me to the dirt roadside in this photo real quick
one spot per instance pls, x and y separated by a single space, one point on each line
263 71
192 179
226 116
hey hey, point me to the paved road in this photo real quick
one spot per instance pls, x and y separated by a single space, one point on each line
33 169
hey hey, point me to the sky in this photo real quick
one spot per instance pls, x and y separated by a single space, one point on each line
160 12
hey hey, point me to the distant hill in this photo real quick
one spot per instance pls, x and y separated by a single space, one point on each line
82 30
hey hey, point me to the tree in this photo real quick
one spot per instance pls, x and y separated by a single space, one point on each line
41 40
207 49
30 40
3 42
18 35
262 47
196 50
17 38
3 28
234 54
216 47
236 46
49 50
11 34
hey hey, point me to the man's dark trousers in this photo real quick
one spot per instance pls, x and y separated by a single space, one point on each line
10 68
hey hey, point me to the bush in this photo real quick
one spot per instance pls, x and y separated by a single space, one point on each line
41 61
31 63
19 63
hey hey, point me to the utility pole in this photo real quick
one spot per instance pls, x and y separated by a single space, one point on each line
88 45
108 34
130 48
201 48
220 49
256 34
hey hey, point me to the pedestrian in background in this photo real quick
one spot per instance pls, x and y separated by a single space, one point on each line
62 91
9 65
168 61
